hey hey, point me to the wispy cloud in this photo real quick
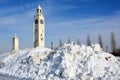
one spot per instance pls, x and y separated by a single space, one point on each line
65 4
2 1
19 24
11 10
101 21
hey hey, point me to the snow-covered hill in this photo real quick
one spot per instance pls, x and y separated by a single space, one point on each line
68 62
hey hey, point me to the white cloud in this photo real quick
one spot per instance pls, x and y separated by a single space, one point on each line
100 21
18 8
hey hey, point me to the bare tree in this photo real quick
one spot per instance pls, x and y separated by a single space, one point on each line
100 40
113 42
106 48
60 43
51 45
68 41
78 41
88 41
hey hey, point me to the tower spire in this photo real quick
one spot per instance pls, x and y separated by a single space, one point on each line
15 35
39 10
39 7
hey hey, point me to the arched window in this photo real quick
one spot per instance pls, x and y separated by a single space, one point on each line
37 10
40 11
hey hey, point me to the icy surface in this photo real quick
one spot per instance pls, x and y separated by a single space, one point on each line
68 62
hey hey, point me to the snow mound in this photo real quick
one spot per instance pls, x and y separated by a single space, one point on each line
65 63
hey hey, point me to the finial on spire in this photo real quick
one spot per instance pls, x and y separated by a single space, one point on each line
39 7
15 36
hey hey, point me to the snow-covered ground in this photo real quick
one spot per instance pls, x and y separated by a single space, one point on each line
65 63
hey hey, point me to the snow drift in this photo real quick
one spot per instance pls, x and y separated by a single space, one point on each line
68 62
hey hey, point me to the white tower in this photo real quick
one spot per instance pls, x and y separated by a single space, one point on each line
39 31
15 45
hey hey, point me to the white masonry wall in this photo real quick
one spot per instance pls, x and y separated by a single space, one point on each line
15 46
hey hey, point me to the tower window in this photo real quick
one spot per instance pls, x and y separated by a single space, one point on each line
37 10
42 39
36 30
40 11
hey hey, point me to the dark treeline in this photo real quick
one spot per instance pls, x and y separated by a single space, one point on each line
115 51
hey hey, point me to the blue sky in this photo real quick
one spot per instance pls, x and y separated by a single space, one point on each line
63 19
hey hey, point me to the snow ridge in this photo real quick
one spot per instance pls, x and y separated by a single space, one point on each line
71 61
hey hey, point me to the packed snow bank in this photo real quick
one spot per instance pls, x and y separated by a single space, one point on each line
68 62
